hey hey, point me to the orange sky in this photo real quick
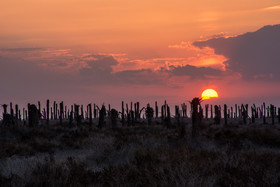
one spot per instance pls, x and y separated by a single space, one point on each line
139 34
139 28
122 25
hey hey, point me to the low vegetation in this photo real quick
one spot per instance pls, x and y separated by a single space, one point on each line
142 155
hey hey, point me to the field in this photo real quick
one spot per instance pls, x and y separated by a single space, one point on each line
141 155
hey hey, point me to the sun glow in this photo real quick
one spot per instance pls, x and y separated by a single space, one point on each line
208 94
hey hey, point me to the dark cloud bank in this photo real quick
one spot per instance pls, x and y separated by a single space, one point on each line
100 71
195 72
256 55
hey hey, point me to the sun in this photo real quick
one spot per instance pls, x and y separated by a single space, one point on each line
208 94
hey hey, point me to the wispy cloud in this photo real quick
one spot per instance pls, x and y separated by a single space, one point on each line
56 52
277 7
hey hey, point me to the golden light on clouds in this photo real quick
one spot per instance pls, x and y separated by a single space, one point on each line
277 7
203 56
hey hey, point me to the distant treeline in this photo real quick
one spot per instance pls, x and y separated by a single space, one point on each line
131 113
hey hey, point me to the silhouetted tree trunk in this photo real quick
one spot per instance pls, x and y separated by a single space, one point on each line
206 110
195 118
90 113
114 116
33 115
149 114
61 112
225 114
102 115
48 112
123 120
272 114
264 120
217 118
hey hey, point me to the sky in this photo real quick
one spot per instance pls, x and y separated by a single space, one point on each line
107 51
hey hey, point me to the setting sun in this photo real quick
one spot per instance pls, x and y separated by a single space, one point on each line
208 94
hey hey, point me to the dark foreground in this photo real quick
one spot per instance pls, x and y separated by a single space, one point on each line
63 155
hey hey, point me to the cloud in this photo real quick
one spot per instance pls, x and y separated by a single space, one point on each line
202 57
195 72
27 74
255 55
62 67
143 76
26 78
20 49
277 7
99 63
219 35
99 69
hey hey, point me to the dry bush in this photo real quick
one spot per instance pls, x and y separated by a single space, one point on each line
9 149
264 136
51 173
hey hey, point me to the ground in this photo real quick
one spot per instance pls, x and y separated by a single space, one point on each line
141 155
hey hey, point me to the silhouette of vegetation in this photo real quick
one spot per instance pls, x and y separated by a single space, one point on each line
149 114
112 148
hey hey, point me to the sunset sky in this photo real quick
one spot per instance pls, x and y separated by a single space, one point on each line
106 51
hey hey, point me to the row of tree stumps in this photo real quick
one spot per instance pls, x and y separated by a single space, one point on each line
241 112
33 114
60 113
131 114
